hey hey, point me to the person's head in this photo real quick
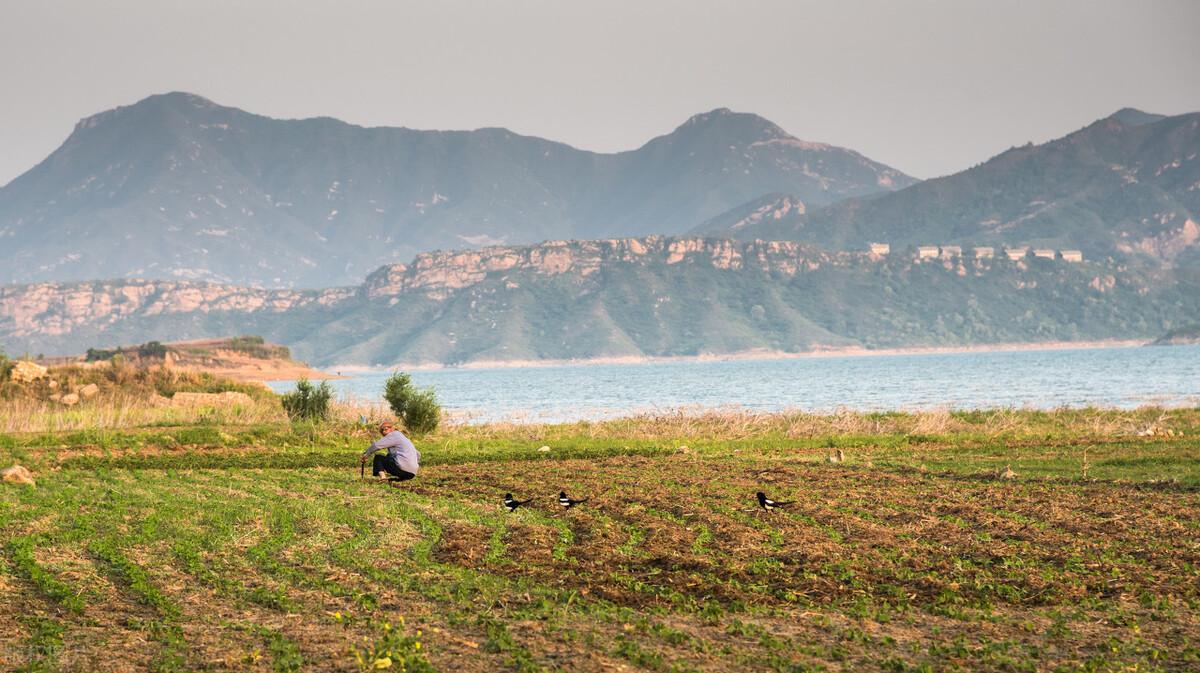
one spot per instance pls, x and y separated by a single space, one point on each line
386 427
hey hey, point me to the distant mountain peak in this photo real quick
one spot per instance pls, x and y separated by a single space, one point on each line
744 128
1135 117
174 101
179 101
178 97
705 117
723 118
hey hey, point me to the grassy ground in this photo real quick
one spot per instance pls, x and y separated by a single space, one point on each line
211 546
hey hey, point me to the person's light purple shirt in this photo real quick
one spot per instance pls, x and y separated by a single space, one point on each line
399 448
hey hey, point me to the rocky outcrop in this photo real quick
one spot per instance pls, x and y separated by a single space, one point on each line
1168 244
439 273
27 372
59 308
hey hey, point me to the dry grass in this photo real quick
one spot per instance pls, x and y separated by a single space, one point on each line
127 410
740 424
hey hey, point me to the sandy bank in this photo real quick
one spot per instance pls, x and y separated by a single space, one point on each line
758 354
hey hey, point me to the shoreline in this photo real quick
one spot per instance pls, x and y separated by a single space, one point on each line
758 354
253 374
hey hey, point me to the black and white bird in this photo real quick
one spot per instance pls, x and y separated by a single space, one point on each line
566 502
510 504
769 504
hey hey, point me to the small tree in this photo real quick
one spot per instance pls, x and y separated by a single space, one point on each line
308 402
99 354
152 349
419 410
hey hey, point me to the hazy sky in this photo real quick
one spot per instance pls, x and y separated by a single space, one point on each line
927 87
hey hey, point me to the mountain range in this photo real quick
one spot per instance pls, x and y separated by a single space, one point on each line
487 245
652 296
178 187
1126 187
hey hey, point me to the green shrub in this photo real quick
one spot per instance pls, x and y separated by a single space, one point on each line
99 354
152 349
257 347
418 410
308 402
6 366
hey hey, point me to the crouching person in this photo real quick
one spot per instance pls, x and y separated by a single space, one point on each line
402 460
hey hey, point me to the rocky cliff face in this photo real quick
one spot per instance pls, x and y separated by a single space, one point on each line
439 273
621 297
60 308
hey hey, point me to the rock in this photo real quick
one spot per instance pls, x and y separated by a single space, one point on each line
544 449
18 475
28 372
187 400
70 399
89 391
1159 431
53 384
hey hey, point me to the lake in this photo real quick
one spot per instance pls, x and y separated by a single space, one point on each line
1041 379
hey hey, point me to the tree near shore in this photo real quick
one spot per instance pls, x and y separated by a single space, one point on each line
417 409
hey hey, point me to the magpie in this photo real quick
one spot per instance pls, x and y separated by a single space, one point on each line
769 504
567 502
510 504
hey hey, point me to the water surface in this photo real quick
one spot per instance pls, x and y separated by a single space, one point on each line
1042 379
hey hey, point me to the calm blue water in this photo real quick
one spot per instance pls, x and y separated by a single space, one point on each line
1111 377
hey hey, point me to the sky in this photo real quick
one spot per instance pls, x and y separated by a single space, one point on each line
928 87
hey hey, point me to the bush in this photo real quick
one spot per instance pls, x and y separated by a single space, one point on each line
257 347
308 402
418 410
6 365
152 349
99 354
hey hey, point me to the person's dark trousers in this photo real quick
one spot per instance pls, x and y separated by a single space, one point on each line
386 464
